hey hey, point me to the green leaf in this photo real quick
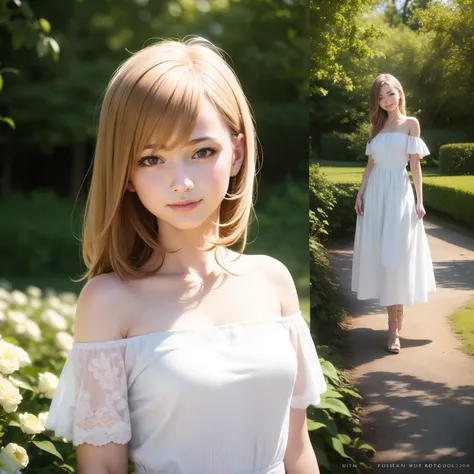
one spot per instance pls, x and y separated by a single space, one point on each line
344 439
49 447
321 456
9 121
329 370
335 405
361 444
53 44
315 425
21 383
331 394
18 39
338 447
67 468
350 392
45 25
1 82
17 3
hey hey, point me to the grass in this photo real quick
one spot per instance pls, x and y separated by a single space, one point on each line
463 324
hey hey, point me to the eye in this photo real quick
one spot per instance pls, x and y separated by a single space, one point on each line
204 153
149 161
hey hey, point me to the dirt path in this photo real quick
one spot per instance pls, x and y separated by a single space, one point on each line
420 403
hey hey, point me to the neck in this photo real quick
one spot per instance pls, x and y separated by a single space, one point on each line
394 116
189 254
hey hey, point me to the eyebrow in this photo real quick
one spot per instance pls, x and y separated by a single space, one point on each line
194 141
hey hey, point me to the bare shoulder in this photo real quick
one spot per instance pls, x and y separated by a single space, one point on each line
278 274
413 126
102 309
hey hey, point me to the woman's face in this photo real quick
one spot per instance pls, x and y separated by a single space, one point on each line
185 186
389 98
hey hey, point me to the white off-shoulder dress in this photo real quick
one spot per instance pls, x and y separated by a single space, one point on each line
211 401
392 260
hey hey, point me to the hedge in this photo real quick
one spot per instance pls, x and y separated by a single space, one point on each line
457 158
335 146
456 203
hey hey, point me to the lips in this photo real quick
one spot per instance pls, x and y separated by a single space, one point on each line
186 205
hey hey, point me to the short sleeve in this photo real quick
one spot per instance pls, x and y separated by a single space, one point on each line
368 149
310 383
416 146
90 404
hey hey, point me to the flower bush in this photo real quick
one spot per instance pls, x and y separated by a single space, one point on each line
29 377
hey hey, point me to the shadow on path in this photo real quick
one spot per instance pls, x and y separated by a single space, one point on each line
425 420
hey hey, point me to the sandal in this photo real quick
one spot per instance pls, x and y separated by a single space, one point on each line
393 345
400 318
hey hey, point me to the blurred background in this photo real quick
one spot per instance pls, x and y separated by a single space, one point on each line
427 44
56 57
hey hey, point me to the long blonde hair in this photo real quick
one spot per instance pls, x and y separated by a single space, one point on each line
155 94
378 116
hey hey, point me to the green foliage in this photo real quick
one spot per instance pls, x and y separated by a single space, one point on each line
457 158
334 30
342 218
436 138
37 238
458 204
321 202
282 129
334 424
336 146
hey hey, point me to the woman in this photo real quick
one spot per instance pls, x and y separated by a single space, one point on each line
392 260
189 357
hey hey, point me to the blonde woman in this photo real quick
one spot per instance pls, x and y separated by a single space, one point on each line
189 357
392 260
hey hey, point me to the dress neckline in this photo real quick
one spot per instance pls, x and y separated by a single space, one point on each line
170 332
394 133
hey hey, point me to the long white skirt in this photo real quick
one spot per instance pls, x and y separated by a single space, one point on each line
392 260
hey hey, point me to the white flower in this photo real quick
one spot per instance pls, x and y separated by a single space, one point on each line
17 317
63 341
68 297
21 354
35 303
43 417
47 384
9 362
10 396
30 424
34 291
13 457
53 319
2 316
19 298
30 329
3 305
54 302
4 294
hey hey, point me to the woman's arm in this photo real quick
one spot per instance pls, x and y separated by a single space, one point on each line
415 168
365 178
103 295
299 455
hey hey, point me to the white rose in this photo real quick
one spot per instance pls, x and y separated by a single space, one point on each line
43 417
19 298
34 291
9 362
2 315
54 302
47 384
53 319
15 455
3 305
31 330
22 355
35 303
10 396
63 341
4 294
30 424
17 317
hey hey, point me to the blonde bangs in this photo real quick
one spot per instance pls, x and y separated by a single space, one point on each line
155 98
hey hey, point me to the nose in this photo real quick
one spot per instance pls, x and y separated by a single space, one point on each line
181 181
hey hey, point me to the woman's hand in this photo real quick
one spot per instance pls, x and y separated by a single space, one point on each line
420 210
358 205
